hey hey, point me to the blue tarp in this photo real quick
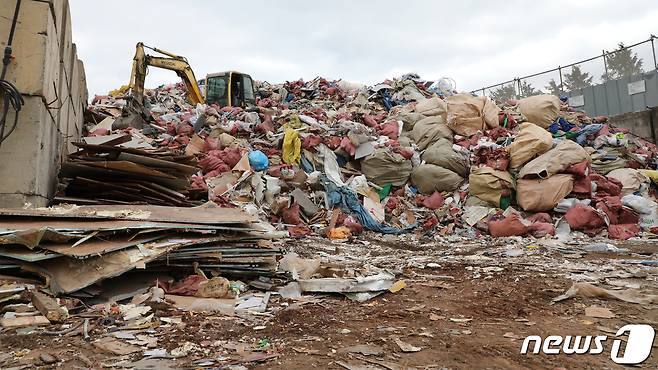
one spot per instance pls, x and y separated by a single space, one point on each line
347 200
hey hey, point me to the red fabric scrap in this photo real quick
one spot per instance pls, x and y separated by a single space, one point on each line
210 144
497 132
390 129
391 204
541 229
369 120
347 146
605 186
581 169
198 183
497 159
291 216
354 225
623 231
333 142
187 286
184 129
540 217
407 153
434 201
276 170
617 214
511 122
509 226
311 142
430 222
585 218
299 231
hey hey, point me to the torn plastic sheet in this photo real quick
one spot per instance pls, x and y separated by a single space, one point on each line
331 168
374 283
347 200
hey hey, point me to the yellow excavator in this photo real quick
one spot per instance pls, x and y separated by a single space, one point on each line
227 89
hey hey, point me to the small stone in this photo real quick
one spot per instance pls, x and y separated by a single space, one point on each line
47 358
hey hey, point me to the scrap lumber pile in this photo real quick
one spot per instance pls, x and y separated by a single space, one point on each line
114 170
76 248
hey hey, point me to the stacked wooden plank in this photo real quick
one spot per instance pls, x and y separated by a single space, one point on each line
120 170
75 248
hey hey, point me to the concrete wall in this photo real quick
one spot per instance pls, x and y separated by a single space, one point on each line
51 78
639 123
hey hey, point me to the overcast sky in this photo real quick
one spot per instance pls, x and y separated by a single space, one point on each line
477 43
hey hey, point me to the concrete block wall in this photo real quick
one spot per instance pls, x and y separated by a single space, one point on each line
643 123
49 75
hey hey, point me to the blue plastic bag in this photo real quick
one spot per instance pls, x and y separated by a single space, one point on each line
258 160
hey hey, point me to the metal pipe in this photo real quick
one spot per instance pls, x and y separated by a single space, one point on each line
605 65
653 51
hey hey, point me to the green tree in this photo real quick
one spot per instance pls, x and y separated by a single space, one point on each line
503 93
577 79
554 88
528 90
622 62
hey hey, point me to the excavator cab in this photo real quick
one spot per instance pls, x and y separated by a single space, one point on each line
230 88
225 88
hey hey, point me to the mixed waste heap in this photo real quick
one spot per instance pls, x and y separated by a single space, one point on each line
187 209
335 158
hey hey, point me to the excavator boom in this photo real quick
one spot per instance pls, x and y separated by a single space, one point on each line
172 62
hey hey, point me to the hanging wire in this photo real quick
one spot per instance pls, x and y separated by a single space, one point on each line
11 97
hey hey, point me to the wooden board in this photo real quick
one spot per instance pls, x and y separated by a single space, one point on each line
155 162
69 274
64 225
97 246
199 215
23 254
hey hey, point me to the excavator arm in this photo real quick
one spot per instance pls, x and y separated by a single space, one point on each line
172 62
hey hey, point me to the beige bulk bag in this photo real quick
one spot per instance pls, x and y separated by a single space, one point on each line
428 130
531 141
554 161
488 184
490 112
408 119
434 106
603 166
384 167
429 178
541 110
469 114
631 179
538 195
441 154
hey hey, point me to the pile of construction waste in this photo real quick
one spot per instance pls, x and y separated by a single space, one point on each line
335 158
187 208
76 249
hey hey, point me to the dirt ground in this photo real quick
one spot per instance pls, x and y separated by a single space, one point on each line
454 315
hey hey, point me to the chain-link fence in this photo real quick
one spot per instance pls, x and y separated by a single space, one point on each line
610 65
